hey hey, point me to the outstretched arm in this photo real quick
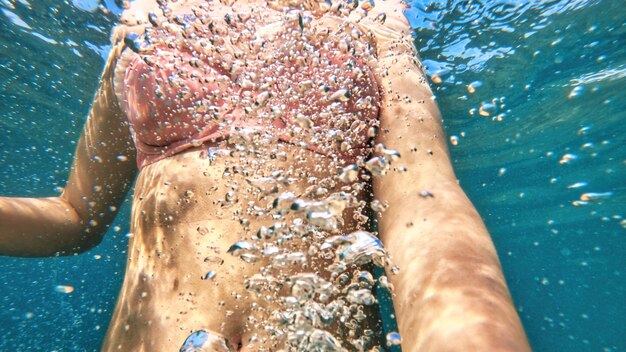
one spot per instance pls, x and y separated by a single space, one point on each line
102 173
450 294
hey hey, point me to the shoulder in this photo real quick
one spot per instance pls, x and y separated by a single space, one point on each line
134 19
137 17
138 12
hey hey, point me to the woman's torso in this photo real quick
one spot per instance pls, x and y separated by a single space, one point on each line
184 216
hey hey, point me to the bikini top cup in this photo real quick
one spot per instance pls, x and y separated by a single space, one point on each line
217 70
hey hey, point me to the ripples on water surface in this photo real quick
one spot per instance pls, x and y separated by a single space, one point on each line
532 93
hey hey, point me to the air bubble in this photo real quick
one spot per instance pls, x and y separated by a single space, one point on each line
487 109
242 247
320 340
472 87
344 46
385 283
363 296
366 279
289 259
304 122
214 260
394 339
381 17
378 166
154 19
576 91
342 95
265 185
390 155
567 158
323 219
64 288
595 197
209 276
377 206
358 248
349 173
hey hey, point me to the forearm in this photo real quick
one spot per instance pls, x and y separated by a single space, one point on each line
39 227
102 173
450 293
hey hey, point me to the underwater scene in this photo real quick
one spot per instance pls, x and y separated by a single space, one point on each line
532 98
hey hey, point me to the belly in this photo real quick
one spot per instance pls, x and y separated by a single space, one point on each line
179 276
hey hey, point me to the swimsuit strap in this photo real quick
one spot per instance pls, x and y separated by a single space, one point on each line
122 55
124 59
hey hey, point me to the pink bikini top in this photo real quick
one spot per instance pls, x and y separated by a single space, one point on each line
174 102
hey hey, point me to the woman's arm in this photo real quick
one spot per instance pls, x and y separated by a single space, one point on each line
450 292
102 173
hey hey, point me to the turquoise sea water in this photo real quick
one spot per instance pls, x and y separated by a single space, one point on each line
550 75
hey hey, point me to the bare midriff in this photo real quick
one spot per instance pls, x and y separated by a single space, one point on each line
181 229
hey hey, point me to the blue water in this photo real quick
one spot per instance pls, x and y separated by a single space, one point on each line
556 70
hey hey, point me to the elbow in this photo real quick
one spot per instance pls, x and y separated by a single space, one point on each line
69 241
84 246
86 239
84 232
47 227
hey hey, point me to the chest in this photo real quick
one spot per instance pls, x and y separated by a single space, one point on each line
214 65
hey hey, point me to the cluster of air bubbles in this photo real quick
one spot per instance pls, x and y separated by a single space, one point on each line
304 221
314 263
314 272
496 108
